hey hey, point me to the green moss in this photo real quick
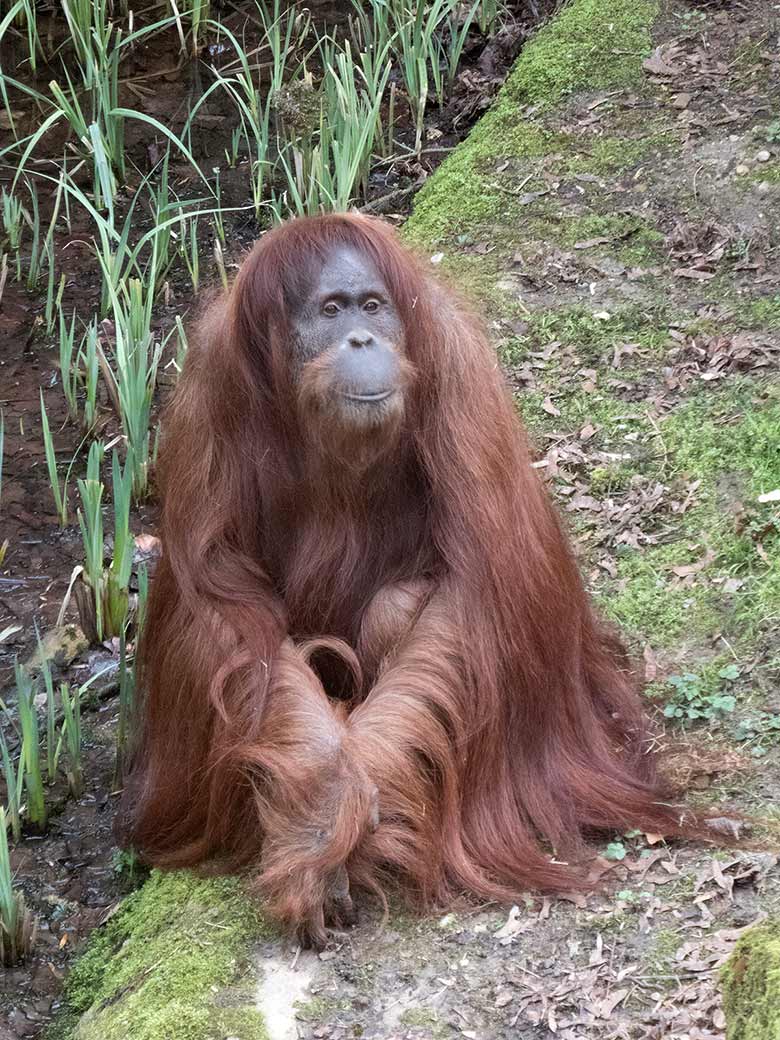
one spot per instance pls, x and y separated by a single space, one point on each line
467 191
587 45
749 54
168 966
619 426
665 945
615 153
422 1018
578 326
768 173
751 985
615 922
607 480
476 278
761 313
631 238
730 444
737 430
647 598
319 1008
727 443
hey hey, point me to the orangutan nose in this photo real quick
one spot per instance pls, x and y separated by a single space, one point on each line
360 338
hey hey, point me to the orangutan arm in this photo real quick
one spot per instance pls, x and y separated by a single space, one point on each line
449 816
411 732
314 799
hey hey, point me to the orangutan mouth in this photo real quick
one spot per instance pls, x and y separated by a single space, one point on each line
379 395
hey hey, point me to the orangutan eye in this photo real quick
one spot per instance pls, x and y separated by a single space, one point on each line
330 309
372 306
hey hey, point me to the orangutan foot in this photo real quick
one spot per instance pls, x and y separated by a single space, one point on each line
340 911
326 923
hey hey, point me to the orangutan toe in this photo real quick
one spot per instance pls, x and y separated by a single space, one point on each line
339 909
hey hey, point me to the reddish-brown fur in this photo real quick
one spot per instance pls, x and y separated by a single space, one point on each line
489 716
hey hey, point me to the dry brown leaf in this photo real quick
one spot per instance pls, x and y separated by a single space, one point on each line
651 663
512 927
606 1006
148 543
694 273
658 65
685 570
588 243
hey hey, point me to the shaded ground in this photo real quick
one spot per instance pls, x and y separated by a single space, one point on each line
623 243
73 876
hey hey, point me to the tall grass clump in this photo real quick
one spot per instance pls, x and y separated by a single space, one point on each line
426 41
31 748
71 737
18 927
128 676
132 373
102 595
13 223
12 775
60 494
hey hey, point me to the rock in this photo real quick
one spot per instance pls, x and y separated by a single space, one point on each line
22 1026
751 985
742 169
61 645
763 155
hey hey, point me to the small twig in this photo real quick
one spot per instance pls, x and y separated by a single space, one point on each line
439 149
386 202
730 647
602 101
3 275
513 191
660 436
695 192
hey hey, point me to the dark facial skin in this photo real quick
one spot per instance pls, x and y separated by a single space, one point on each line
349 337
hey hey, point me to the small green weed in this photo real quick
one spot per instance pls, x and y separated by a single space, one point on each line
770 133
761 731
616 850
129 869
692 18
693 700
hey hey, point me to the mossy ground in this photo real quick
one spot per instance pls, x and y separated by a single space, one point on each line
751 985
172 964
